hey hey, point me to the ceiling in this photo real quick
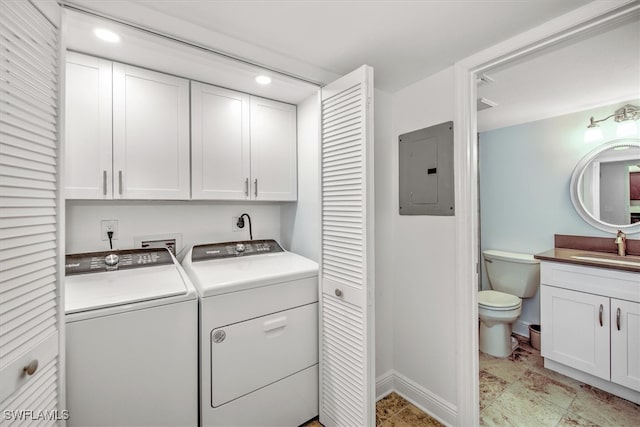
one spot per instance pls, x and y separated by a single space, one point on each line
145 50
593 71
403 40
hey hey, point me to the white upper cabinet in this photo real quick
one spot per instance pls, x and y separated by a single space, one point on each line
273 150
242 147
150 135
127 137
88 170
126 132
219 143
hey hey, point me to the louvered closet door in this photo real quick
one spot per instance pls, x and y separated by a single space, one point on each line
347 395
28 254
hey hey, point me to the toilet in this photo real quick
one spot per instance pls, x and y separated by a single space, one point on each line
512 276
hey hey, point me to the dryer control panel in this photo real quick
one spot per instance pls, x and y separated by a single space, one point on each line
234 249
98 262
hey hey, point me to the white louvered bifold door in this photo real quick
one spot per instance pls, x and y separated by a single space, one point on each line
347 384
28 254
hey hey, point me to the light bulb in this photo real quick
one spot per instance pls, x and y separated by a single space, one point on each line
106 35
263 80
593 134
627 128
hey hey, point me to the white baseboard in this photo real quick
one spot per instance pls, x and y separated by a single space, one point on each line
384 384
434 405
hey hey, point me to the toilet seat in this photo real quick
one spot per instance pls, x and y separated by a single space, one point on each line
494 300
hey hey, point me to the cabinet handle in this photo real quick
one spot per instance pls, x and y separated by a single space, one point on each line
338 292
618 318
600 314
246 187
255 188
31 368
104 183
120 182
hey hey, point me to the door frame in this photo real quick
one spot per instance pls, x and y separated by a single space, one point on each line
572 25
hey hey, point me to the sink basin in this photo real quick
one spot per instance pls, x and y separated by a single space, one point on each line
609 259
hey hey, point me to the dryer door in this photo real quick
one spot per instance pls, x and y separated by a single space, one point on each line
252 354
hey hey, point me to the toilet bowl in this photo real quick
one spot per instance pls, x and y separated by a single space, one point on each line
497 311
512 276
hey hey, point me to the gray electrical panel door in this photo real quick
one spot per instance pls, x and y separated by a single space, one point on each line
426 171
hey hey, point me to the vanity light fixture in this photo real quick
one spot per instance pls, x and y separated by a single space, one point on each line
625 116
106 35
263 80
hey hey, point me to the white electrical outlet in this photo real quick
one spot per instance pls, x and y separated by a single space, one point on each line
109 225
234 225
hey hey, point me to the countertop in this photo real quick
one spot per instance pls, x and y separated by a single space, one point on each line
607 260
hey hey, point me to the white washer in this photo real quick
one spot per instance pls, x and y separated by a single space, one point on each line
258 334
131 340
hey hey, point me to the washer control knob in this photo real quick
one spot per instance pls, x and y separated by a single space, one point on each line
111 260
240 248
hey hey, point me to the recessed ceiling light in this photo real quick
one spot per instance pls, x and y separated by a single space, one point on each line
263 80
106 35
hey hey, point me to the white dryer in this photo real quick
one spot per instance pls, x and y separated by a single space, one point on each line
258 333
131 340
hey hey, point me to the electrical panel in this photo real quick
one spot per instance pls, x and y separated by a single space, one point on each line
426 171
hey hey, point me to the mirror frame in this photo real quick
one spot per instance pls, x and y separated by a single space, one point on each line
576 179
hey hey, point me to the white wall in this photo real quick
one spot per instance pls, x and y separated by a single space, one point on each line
197 222
384 209
301 220
422 265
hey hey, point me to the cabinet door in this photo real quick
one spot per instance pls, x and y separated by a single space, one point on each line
625 343
575 329
219 143
87 168
150 134
273 150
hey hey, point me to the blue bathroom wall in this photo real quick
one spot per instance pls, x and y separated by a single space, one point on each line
525 171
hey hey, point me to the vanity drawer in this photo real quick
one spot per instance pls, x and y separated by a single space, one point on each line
599 281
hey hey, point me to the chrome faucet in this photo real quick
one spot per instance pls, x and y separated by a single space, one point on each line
621 241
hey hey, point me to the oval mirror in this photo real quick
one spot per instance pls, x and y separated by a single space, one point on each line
605 186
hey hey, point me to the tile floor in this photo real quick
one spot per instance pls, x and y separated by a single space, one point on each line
395 411
519 391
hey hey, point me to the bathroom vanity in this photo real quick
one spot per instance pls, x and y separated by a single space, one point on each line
590 317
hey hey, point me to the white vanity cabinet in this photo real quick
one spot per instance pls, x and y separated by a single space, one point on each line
126 132
243 147
625 343
576 329
590 321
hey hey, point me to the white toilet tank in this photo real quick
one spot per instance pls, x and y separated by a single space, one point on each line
514 273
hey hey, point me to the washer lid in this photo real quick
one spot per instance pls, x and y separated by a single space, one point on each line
220 276
99 290
498 299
